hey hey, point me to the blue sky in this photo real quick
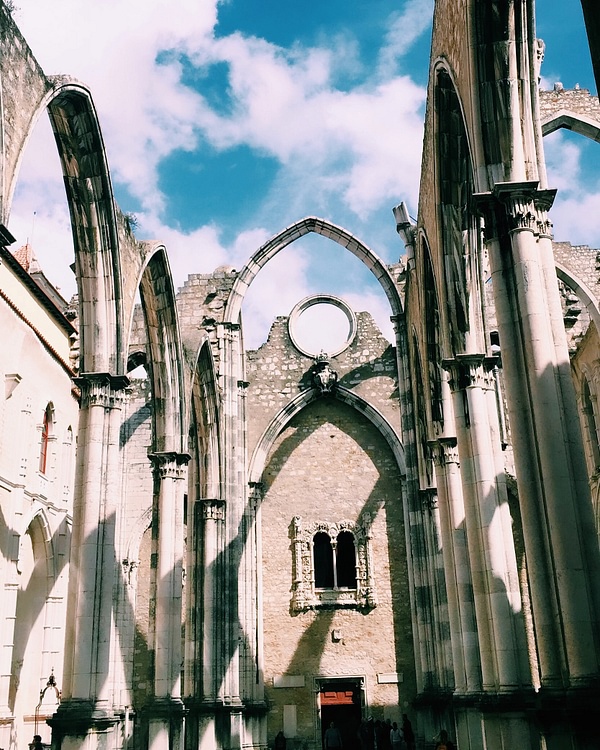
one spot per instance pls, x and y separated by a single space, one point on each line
224 122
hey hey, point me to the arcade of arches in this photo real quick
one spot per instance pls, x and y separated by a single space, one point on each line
205 545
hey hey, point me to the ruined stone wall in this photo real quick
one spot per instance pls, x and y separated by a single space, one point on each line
278 371
580 101
329 465
23 88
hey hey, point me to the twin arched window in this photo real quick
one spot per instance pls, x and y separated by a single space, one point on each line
334 561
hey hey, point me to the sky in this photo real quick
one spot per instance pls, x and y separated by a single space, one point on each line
227 120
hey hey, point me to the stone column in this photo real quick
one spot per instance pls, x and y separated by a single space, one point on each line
166 712
413 512
563 559
230 733
213 519
487 520
87 710
459 585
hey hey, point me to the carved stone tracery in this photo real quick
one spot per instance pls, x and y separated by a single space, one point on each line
305 594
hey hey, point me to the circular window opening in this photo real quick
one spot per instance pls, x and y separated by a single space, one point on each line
322 323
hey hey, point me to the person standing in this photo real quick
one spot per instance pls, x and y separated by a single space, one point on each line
444 743
397 738
407 730
333 738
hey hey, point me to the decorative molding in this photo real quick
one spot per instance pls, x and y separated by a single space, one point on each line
102 389
212 509
305 595
169 464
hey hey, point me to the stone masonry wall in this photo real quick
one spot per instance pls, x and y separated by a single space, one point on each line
330 464
579 101
278 371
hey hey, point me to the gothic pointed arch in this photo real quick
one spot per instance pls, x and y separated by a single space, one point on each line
432 336
164 353
459 221
293 233
295 406
204 426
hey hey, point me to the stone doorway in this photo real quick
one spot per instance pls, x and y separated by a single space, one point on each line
340 701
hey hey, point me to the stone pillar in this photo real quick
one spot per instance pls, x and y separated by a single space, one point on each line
166 711
413 512
487 520
563 559
87 710
213 520
459 585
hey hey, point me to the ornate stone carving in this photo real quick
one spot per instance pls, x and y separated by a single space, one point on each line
102 389
213 510
324 378
305 595
169 464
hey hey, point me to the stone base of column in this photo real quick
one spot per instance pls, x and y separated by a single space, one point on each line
79 724
164 719
551 718
211 724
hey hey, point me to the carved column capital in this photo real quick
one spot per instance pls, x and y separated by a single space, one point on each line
169 464
516 207
212 509
102 389
429 498
256 492
445 451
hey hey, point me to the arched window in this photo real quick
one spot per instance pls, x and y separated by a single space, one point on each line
331 565
323 561
345 561
45 439
335 563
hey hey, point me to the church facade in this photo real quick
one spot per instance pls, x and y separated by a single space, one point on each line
276 539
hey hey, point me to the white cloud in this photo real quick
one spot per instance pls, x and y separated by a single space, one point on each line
403 32
576 211
347 151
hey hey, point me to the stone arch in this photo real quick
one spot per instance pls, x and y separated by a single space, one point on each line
165 361
458 218
292 233
585 295
35 643
94 222
281 419
588 127
204 425
432 334
140 526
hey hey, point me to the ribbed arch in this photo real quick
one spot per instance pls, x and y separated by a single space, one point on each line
204 426
165 361
292 233
281 419
93 219
459 220
578 123
583 293
140 525
432 334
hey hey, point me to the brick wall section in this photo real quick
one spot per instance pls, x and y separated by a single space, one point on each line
331 464
579 101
